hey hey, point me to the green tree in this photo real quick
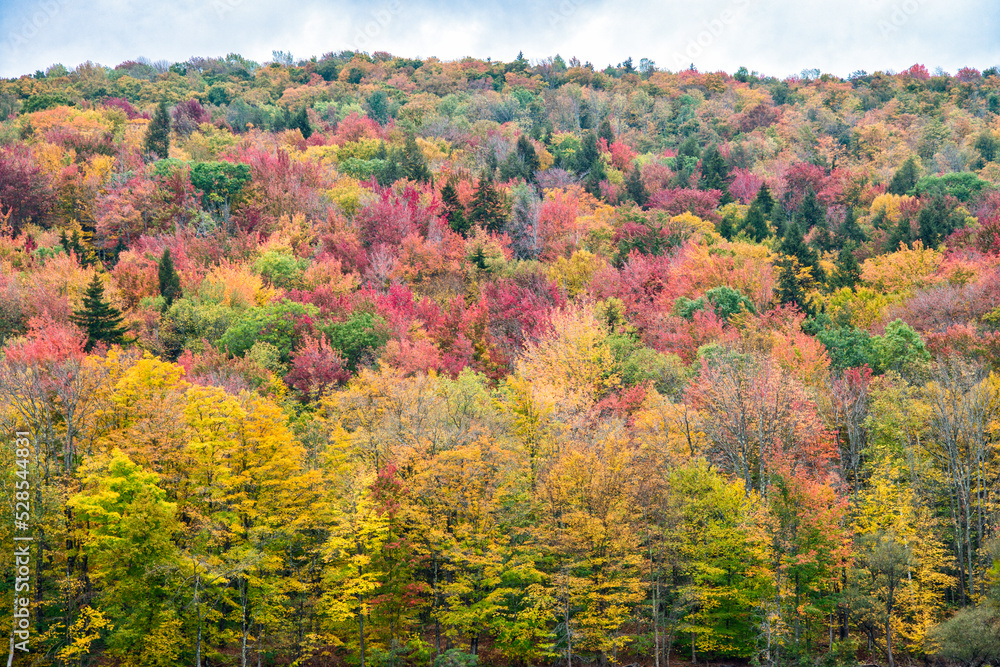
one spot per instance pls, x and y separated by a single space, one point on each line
847 271
454 212
488 206
101 321
169 281
157 141
714 172
301 122
414 162
905 177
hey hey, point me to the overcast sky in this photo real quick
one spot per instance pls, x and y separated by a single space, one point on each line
775 37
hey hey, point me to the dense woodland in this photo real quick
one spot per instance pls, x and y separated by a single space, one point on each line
376 361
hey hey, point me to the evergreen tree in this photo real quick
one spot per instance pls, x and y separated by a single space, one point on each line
901 233
522 162
849 229
453 210
847 271
905 177
604 132
714 172
170 282
812 215
635 188
301 121
488 206
157 141
755 224
414 162
99 319
793 245
789 286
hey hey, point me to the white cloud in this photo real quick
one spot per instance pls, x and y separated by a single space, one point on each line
776 37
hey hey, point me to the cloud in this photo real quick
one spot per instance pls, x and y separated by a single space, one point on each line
776 37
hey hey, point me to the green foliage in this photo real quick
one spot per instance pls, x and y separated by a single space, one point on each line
157 140
849 347
169 281
456 657
101 321
360 335
962 186
905 178
971 637
900 347
281 269
221 183
489 206
279 324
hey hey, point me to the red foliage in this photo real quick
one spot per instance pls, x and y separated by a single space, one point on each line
917 71
187 116
316 368
702 203
25 192
744 185
48 344
355 127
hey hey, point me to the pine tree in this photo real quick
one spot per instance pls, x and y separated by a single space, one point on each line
789 287
847 271
812 215
635 188
849 229
170 282
755 224
714 172
488 206
99 319
793 245
453 210
604 132
157 141
414 162
905 177
301 121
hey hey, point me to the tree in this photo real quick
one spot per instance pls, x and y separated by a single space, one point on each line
488 206
414 162
905 177
604 131
847 271
170 282
714 172
301 122
849 229
635 188
101 321
454 212
157 141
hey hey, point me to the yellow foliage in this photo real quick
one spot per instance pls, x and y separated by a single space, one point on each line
903 271
574 274
889 206
236 286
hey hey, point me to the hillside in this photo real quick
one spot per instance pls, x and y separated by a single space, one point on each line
360 359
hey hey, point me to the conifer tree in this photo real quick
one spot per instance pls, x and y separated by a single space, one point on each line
488 206
170 282
755 224
905 177
157 141
635 188
101 321
414 162
847 271
714 172
849 229
453 210
301 121
605 132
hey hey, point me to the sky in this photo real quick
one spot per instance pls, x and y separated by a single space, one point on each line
773 37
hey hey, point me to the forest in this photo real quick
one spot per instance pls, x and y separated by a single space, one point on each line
376 361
